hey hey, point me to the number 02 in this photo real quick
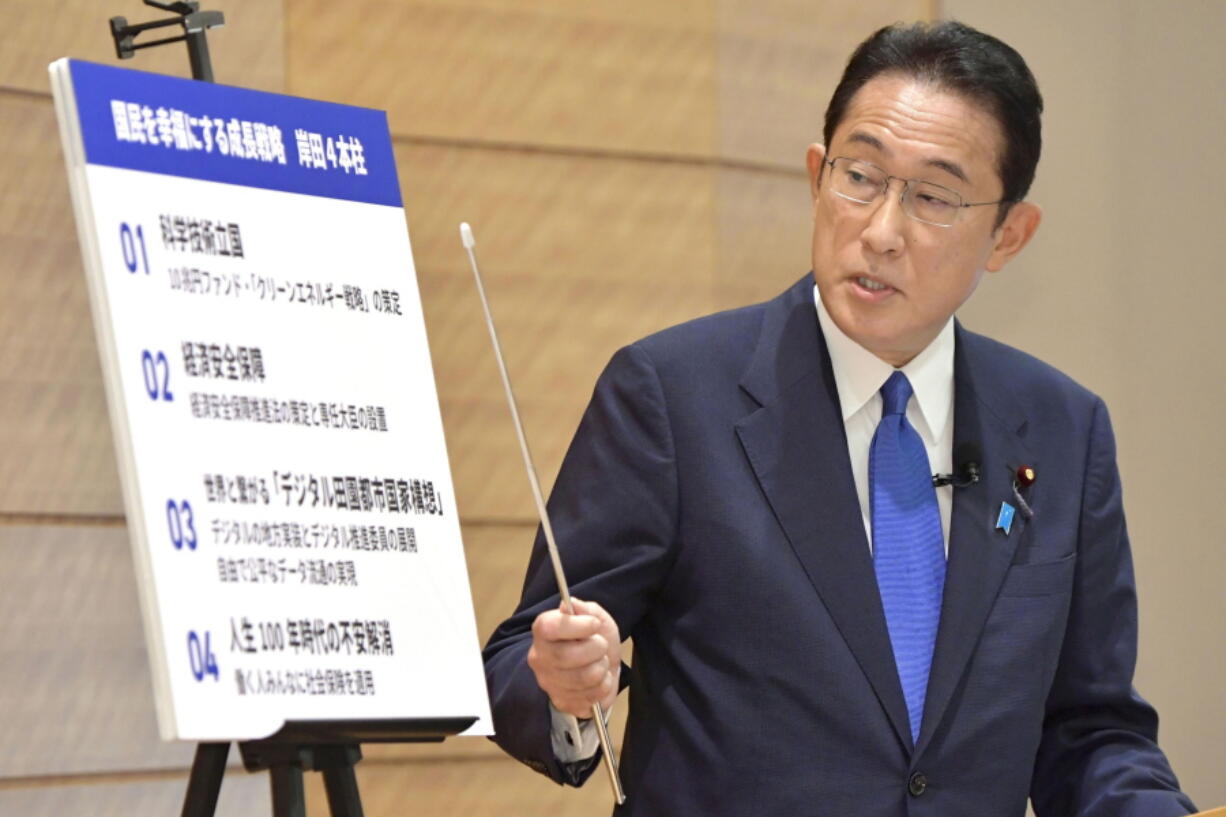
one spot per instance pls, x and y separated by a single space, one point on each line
152 367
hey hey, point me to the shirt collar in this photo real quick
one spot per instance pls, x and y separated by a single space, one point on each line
859 374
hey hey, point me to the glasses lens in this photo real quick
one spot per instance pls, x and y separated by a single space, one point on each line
858 181
932 203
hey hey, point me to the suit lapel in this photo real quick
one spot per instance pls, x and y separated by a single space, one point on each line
797 448
979 553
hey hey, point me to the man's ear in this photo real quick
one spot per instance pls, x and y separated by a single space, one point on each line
1015 233
815 156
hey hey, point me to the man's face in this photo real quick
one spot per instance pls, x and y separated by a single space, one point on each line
888 281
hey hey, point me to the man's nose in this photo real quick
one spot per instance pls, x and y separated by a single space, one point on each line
884 232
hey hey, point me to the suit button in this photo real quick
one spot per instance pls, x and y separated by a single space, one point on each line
917 785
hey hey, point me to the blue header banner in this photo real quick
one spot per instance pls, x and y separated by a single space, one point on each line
200 130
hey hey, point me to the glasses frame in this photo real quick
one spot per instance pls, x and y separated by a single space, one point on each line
906 188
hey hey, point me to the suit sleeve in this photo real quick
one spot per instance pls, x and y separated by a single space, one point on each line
1099 755
614 514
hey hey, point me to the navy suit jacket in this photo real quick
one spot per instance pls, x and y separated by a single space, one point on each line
707 502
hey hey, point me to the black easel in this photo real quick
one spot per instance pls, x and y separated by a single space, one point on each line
329 747
195 24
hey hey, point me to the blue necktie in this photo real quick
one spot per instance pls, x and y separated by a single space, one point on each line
908 549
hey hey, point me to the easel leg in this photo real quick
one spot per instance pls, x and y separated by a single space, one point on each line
204 785
340 781
288 798
286 762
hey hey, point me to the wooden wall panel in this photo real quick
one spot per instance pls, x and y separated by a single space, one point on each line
248 50
53 419
779 61
580 255
497 558
242 795
630 76
765 225
75 688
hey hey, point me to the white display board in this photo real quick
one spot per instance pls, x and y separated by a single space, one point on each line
285 476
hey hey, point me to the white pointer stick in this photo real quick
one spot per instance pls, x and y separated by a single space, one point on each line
606 745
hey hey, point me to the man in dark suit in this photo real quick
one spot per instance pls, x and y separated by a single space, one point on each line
818 628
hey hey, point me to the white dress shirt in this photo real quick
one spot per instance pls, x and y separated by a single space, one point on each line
858 376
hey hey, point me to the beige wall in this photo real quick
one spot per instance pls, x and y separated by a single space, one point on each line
625 166
1123 288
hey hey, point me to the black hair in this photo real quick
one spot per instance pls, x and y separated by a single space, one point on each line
961 59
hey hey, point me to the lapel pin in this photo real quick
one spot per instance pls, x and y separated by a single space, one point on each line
1004 520
1023 478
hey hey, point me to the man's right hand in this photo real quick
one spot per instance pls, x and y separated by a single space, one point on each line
577 658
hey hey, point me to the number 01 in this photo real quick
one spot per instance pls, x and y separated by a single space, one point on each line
129 247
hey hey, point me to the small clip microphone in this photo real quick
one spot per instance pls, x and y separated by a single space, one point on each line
966 467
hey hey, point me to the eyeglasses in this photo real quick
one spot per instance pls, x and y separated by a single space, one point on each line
926 202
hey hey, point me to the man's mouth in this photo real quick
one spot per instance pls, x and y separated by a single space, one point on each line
872 284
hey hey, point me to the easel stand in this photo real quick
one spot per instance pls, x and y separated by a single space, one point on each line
329 747
190 18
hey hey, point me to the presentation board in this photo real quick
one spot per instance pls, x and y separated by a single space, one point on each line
286 483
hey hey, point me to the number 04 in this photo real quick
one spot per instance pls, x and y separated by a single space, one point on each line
201 657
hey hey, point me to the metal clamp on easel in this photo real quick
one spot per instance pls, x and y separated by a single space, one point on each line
195 24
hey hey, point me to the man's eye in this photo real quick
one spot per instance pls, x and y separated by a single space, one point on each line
929 200
856 177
